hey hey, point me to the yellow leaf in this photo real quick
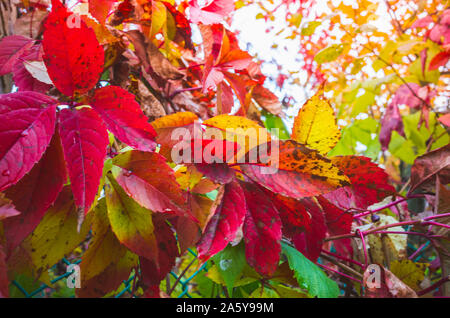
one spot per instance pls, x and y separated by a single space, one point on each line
175 120
57 234
412 274
315 125
159 16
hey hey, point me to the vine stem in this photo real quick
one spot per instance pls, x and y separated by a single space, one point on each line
343 258
366 259
340 273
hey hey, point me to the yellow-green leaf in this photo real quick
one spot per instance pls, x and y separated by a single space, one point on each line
315 125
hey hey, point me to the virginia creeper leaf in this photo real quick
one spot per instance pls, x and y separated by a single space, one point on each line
298 171
84 139
131 223
124 117
27 123
11 48
35 193
72 54
148 179
309 276
227 217
262 230
315 125
369 183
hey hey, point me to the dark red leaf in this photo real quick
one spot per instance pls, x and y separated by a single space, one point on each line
35 193
27 122
309 243
262 230
151 272
84 139
11 48
338 222
73 56
427 167
228 212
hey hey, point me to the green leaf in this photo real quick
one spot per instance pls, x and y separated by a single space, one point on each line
272 121
310 27
329 54
230 263
402 148
309 275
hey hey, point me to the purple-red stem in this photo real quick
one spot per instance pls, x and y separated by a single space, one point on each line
343 258
340 273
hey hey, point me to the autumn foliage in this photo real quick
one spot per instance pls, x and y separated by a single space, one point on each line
97 90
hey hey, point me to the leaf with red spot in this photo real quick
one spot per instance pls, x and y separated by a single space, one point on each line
72 54
262 230
213 11
309 243
369 183
27 123
295 171
149 180
227 216
35 193
11 48
84 139
124 117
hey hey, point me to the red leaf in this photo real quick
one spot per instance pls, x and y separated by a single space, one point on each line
73 56
430 166
228 212
309 243
392 121
369 183
22 77
151 272
11 48
445 119
338 222
100 9
148 179
262 230
301 172
217 172
124 117
84 140
293 214
212 12
35 193
27 122
439 59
